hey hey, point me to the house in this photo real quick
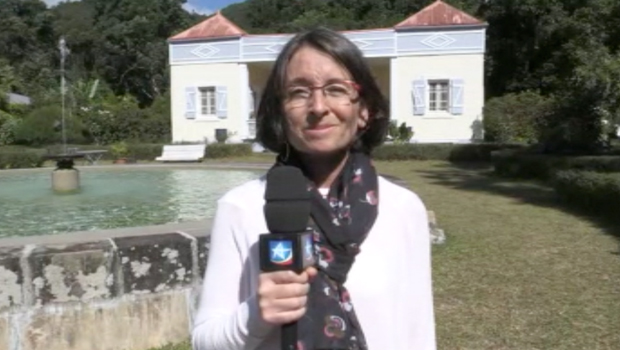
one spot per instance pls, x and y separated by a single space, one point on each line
430 66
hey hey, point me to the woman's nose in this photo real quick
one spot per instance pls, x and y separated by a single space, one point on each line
318 103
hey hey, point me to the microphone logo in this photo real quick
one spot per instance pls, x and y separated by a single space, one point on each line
281 252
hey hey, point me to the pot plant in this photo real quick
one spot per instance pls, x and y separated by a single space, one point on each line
119 151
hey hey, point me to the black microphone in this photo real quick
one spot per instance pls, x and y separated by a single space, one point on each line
289 245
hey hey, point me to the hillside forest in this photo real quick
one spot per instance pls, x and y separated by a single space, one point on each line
552 67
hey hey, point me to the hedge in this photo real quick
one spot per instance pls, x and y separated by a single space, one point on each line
149 152
222 150
514 164
136 151
15 158
389 152
588 190
25 157
474 152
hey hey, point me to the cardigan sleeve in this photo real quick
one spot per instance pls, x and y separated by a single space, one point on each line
422 334
223 321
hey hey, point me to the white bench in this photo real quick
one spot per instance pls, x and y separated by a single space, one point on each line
182 153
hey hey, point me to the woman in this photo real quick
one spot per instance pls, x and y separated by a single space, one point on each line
323 112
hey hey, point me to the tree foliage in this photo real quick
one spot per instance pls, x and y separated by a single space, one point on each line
566 50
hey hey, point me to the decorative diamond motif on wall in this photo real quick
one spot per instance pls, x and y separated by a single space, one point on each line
438 41
361 44
205 51
275 48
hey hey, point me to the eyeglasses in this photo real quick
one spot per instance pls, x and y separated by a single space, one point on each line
335 93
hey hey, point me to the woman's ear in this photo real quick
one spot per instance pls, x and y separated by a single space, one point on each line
362 120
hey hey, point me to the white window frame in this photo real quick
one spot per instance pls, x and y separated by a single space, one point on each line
200 106
430 92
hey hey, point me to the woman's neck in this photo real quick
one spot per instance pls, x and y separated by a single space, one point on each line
324 170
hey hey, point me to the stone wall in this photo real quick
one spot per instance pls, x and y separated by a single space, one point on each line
129 289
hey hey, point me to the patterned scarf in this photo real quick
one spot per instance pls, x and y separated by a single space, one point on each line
341 223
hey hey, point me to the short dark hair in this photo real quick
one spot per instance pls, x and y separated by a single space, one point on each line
270 131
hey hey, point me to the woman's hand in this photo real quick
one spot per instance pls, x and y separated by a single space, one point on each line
282 295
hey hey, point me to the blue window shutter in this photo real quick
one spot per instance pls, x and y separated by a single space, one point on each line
221 99
418 92
190 102
456 95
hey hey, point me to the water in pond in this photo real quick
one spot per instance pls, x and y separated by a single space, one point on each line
111 199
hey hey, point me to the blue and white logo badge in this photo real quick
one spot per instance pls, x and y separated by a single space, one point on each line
281 252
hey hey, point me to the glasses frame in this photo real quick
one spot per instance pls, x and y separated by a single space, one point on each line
357 87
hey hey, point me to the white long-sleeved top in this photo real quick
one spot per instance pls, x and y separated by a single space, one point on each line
390 282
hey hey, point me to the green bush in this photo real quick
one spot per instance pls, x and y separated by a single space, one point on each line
144 151
516 164
410 151
43 126
440 151
8 125
589 190
123 120
479 152
223 150
17 157
137 151
516 117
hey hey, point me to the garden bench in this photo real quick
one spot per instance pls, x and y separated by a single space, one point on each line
182 153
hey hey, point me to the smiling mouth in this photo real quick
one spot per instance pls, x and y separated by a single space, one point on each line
319 127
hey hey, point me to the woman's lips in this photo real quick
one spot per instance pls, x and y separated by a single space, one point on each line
320 127
318 130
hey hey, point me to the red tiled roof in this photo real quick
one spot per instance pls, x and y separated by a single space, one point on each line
438 14
216 26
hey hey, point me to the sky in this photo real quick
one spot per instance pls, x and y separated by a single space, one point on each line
207 6
201 6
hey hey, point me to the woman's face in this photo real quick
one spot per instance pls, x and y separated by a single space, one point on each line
321 104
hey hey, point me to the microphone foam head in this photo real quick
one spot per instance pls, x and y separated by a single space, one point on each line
287 207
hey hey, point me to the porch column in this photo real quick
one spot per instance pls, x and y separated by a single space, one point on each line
244 101
393 87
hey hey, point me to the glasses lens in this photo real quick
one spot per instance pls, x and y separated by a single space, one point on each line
335 94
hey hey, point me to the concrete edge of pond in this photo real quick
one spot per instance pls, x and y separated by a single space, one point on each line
166 165
197 228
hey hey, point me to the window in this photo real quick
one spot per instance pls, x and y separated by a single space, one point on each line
439 99
207 100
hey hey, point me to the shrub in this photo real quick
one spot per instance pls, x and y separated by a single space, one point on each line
124 120
137 151
222 150
439 151
516 117
15 158
422 151
479 152
516 164
589 190
400 134
8 125
43 126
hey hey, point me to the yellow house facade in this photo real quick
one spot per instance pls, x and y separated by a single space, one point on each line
430 66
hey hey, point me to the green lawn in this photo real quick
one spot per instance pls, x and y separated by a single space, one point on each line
518 271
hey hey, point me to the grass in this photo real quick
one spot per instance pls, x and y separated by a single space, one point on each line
518 271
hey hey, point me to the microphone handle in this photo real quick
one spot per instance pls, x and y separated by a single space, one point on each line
289 336
301 247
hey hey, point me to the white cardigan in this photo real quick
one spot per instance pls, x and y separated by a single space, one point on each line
390 281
